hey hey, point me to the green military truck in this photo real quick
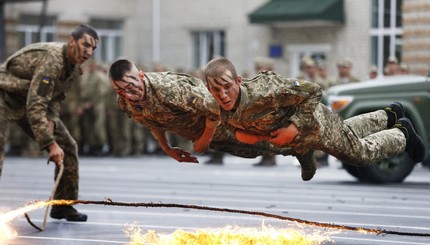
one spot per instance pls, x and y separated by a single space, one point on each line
353 99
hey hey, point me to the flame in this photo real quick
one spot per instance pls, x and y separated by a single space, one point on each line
228 235
7 232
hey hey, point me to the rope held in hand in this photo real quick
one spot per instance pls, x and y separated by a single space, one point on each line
229 210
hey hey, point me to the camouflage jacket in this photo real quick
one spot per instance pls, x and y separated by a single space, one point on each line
269 102
174 102
36 78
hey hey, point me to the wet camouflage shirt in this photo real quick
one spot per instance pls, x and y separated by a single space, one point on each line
35 79
175 102
269 102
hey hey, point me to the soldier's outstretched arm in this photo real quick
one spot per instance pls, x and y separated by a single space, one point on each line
203 142
174 152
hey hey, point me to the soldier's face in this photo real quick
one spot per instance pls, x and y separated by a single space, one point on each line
225 90
131 86
82 49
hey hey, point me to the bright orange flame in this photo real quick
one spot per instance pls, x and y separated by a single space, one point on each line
227 235
6 232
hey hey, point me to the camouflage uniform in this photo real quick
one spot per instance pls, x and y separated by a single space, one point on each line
269 102
179 103
32 85
93 87
119 127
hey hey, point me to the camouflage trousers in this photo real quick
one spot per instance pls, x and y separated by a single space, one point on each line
360 140
68 186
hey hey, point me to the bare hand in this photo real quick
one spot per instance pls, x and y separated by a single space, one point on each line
249 138
284 136
56 154
181 155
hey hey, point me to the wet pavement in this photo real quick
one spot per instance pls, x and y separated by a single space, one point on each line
332 197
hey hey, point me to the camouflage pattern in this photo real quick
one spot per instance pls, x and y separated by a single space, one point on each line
269 102
93 87
175 103
179 103
33 82
119 127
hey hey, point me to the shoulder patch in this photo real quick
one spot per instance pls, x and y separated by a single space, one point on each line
296 83
44 86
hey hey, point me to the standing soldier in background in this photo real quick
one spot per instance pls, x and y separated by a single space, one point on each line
324 77
33 83
373 72
344 67
119 127
392 67
93 87
310 72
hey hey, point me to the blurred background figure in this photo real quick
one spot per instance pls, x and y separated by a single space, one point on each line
404 69
344 68
392 67
93 89
373 72
310 72
119 127
325 80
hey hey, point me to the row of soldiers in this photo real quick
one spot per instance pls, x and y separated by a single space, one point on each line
100 128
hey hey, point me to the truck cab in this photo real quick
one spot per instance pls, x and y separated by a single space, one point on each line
366 96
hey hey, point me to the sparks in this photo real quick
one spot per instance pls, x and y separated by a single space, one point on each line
227 235
6 232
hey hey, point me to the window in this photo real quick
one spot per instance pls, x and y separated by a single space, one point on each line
28 29
206 46
110 35
386 32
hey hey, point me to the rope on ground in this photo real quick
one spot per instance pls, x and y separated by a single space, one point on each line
229 210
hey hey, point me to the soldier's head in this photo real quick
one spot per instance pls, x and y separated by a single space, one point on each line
263 64
82 44
344 67
223 83
127 81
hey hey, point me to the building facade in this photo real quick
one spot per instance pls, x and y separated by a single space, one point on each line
186 34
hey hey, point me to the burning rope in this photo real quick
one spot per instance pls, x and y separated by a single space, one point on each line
228 210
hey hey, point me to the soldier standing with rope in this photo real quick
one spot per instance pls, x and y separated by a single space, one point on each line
33 83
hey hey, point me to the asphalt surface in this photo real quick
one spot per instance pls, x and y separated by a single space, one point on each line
332 197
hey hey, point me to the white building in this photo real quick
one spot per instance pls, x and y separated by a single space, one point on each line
187 33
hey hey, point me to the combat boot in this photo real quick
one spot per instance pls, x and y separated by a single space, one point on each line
414 144
308 164
67 212
394 112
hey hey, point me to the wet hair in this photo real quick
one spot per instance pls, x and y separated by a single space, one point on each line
218 66
118 69
84 29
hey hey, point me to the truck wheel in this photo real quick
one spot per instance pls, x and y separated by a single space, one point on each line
352 170
392 170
